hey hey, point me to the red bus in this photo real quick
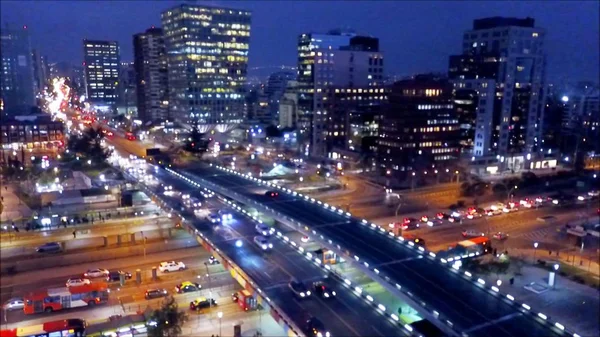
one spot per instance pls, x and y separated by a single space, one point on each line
62 328
63 298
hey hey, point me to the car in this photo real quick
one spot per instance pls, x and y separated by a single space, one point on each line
442 215
316 328
225 214
424 219
593 193
410 226
202 303
264 230
262 242
500 236
75 282
435 222
213 218
94 273
14 304
49 247
115 275
409 220
166 267
212 260
187 287
272 194
497 206
299 289
305 238
320 288
155 293
489 212
472 233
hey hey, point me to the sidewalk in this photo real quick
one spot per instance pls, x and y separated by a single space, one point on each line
574 305
569 261
14 208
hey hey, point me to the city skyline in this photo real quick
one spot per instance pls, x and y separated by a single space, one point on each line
412 46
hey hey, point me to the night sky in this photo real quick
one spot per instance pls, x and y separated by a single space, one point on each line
415 36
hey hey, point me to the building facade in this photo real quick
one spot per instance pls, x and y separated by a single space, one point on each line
150 62
288 106
102 62
207 60
31 131
274 90
338 59
17 88
419 127
41 71
499 90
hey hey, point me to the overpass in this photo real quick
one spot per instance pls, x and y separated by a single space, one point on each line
454 300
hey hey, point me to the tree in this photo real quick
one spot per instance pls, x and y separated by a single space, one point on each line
168 319
89 145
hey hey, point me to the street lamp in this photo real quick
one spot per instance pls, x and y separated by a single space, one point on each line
220 315
499 282
535 245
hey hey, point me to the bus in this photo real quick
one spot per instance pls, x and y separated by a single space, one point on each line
55 299
479 245
62 328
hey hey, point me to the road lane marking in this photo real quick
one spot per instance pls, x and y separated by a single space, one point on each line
486 324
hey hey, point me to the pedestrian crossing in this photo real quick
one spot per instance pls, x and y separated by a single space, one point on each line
541 235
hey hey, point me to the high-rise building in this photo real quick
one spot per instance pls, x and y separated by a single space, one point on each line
338 58
419 127
41 72
17 89
102 67
276 85
288 106
150 60
499 81
207 59
126 103
581 122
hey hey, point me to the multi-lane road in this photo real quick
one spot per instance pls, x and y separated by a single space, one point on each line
471 309
346 315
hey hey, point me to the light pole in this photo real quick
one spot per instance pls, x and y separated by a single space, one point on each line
209 286
437 177
457 176
535 245
220 315
396 214
412 182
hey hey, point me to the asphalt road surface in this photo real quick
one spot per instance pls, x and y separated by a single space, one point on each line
469 307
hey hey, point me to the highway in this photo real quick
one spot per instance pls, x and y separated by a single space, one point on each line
471 309
347 315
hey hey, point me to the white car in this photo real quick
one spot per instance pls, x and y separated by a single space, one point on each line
225 214
14 304
166 267
75 282
264 230
98 272
262 242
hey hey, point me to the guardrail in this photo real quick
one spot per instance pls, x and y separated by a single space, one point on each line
454 267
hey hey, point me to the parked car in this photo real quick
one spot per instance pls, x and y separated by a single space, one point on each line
49 247
166 267
202 303
187 287
14 304
115 276
75 282
97 272
155 293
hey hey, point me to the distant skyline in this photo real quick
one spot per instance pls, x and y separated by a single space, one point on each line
416 37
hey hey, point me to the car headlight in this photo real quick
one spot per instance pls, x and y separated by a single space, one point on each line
319 334
327 334
308 293
302 294
264 246
270 245
326 295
